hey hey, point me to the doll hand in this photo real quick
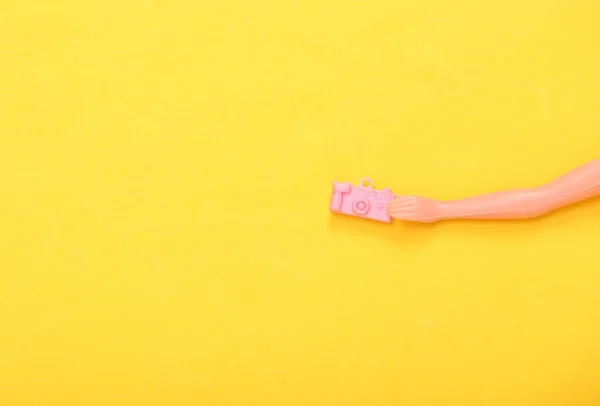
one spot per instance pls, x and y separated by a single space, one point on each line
414 208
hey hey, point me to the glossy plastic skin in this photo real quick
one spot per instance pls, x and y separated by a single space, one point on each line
361 200
579 184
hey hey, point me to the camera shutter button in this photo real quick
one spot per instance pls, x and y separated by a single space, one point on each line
361 206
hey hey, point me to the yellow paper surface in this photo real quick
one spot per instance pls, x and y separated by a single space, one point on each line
165 174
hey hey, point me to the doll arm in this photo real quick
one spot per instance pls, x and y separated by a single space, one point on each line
579 184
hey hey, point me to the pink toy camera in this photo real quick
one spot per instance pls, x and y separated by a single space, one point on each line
362 200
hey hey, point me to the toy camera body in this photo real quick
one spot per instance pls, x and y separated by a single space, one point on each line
361 200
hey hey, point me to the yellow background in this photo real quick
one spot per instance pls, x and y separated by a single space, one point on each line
165 173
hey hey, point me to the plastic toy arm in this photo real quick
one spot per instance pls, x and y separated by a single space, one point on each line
580 184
